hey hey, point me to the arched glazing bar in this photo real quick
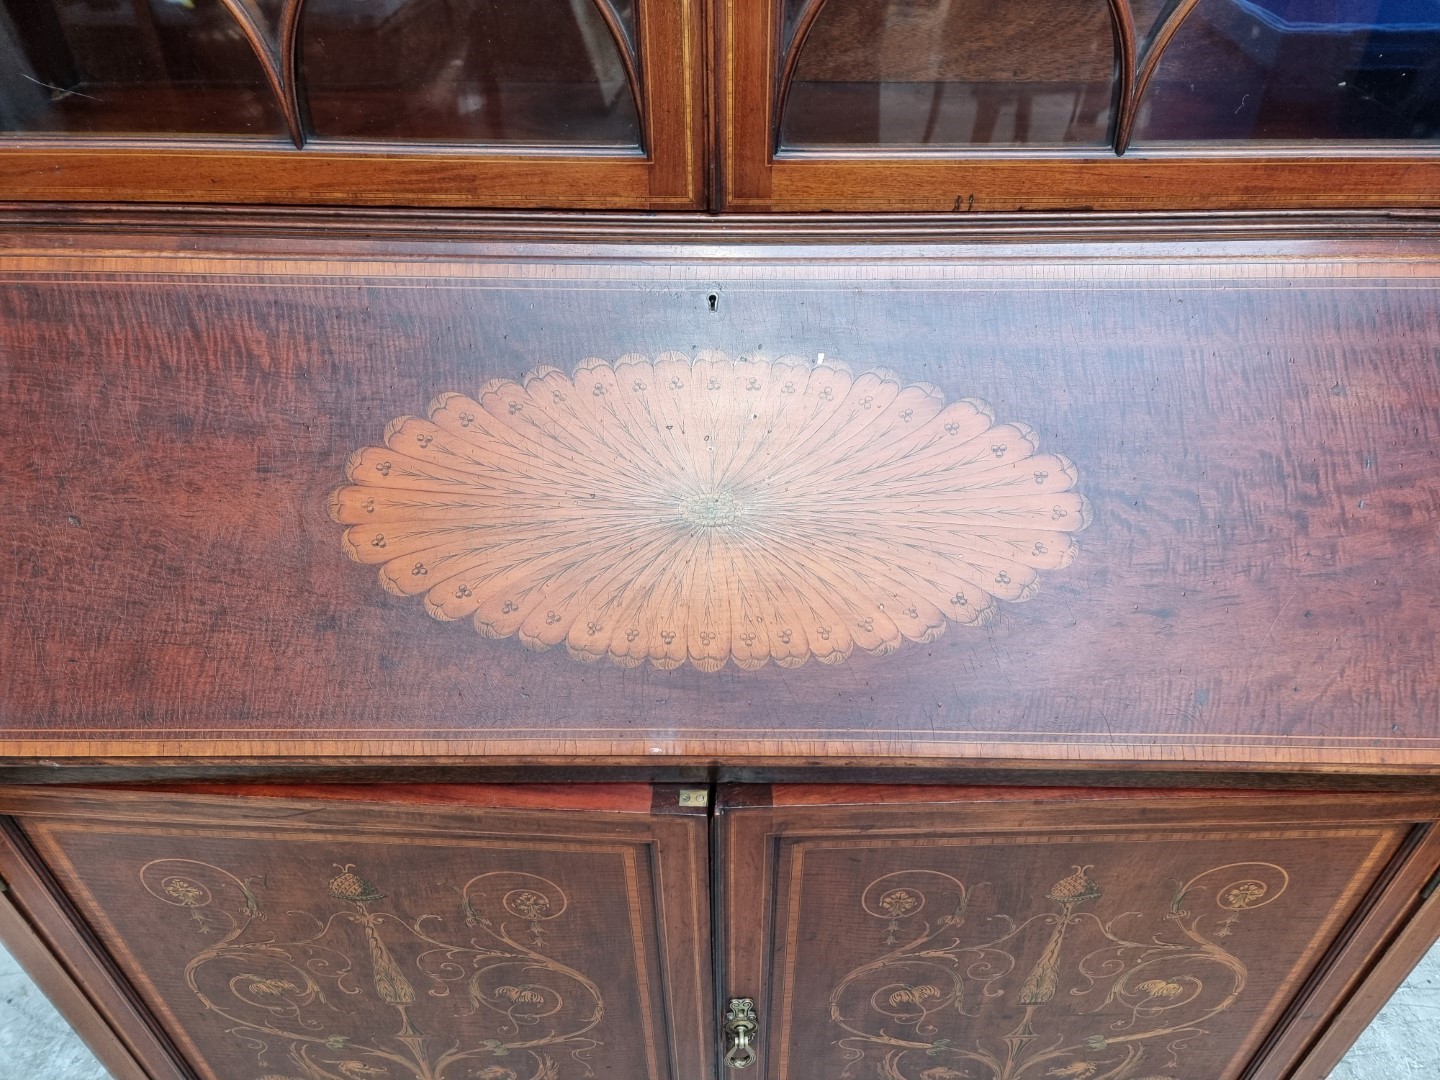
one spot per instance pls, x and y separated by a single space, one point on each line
150 67
1218 71
1295 71
1148 57
275 48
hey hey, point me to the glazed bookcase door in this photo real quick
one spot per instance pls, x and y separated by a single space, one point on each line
550 104
443 937
914 934
962 106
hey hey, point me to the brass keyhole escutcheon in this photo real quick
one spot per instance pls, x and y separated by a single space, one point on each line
740 1033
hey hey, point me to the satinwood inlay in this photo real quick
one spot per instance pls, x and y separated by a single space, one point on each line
710 510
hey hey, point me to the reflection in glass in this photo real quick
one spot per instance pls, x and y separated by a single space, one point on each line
950 72
130 66
1147 16
541 71
1298 69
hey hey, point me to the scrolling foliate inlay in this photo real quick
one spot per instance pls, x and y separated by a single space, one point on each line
481 1004
709 510
909 1013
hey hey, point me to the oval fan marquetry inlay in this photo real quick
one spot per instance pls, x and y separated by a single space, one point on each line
709 510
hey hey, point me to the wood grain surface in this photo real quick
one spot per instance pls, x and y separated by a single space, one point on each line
1253 425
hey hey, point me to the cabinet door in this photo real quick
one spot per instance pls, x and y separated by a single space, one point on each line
551 103
444 934
976 105
914 934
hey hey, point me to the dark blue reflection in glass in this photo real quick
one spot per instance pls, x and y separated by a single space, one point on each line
1299 70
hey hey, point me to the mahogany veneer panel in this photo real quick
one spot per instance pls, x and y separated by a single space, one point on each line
1251 425
274 937
1131 938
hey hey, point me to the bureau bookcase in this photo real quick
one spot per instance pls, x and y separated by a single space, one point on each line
803 539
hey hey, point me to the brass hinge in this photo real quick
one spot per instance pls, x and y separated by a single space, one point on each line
695 796
1430 886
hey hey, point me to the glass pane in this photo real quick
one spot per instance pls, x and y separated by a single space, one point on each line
1299 69
952 73
116 67
541 71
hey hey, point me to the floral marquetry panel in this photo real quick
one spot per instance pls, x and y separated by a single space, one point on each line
924 943
457 947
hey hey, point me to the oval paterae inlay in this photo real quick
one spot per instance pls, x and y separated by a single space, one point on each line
709 510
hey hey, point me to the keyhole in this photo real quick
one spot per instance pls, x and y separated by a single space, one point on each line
714 301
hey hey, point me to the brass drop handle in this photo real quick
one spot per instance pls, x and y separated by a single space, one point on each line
740 1033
